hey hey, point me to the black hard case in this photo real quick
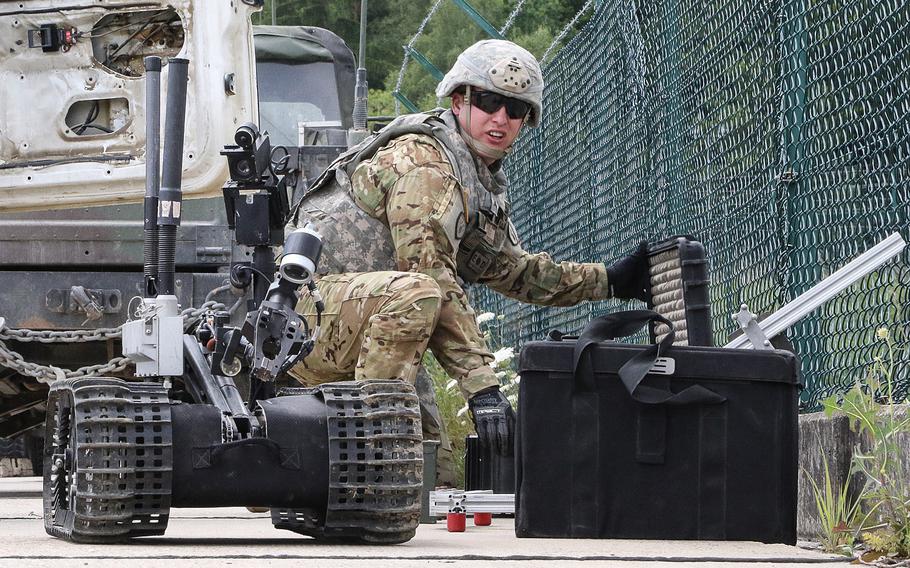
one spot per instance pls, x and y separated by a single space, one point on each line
594 463
485 470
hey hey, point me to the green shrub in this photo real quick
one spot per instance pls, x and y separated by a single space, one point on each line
886 495
453 410
838 513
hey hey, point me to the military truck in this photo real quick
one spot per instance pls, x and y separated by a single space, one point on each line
72 169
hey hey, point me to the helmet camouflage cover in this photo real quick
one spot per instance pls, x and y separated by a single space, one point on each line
499 66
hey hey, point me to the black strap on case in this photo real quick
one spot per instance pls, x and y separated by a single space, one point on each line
650 429
622 324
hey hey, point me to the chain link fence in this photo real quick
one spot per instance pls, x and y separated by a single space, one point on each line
775 131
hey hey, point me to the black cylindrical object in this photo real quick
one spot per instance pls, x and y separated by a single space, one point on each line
264 261
289 467
167 255
170 195
152 173
218 390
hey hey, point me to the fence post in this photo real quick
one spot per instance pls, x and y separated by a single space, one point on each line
673 192
800 269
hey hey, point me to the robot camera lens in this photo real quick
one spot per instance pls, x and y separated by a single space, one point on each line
244 169
246 135
296 273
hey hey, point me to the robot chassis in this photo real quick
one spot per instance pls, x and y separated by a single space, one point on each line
340 461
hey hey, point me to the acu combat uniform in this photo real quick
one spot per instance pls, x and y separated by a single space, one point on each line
407 217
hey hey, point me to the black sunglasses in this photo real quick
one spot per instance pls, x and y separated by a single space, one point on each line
490 102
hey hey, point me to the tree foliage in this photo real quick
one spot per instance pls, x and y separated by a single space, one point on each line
391 24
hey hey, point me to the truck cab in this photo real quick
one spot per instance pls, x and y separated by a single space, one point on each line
73 158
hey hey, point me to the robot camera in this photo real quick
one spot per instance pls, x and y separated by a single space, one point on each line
301 253
248 161
246 135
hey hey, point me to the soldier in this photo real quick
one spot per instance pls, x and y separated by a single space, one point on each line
416 211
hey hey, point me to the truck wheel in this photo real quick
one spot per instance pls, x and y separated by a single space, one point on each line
107 460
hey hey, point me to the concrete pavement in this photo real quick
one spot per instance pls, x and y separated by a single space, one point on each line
201 538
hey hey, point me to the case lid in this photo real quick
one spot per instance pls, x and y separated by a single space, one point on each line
555 359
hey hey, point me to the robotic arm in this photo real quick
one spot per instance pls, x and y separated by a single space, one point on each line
274 337
277 335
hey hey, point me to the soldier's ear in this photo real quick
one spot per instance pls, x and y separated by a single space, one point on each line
457 103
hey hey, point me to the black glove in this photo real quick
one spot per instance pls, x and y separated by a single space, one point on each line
494 420
628 277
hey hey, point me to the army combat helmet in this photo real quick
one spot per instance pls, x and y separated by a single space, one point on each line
499 66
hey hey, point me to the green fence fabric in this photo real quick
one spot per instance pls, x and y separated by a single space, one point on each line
775 131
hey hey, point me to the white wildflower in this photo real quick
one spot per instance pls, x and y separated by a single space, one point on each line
462 411
451 385
500 375
502 355
485 317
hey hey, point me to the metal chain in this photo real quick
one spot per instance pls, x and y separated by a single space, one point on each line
70 336
49 373
192 314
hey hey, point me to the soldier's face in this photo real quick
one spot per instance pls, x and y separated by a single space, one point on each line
495 129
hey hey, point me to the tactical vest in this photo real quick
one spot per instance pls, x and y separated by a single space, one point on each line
355 241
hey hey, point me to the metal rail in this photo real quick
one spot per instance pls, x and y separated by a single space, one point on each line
814 297
458 501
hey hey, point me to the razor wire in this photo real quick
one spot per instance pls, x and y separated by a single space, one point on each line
565 31
776 131
404 61
506 26
504 30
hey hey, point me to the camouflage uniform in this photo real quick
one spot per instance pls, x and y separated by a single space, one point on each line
408 216
364 311
434 428
411 205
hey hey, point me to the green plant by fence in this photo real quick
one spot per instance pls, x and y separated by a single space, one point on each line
775 131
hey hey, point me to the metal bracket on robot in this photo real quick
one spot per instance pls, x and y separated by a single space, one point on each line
749 324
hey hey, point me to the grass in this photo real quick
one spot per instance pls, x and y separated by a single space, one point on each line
838 513
870 407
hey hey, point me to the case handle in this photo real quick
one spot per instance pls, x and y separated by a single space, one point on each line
622 324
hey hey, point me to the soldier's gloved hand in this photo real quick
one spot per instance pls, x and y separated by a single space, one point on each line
494 420
628 277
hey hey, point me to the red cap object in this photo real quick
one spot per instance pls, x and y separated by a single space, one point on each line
456 522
